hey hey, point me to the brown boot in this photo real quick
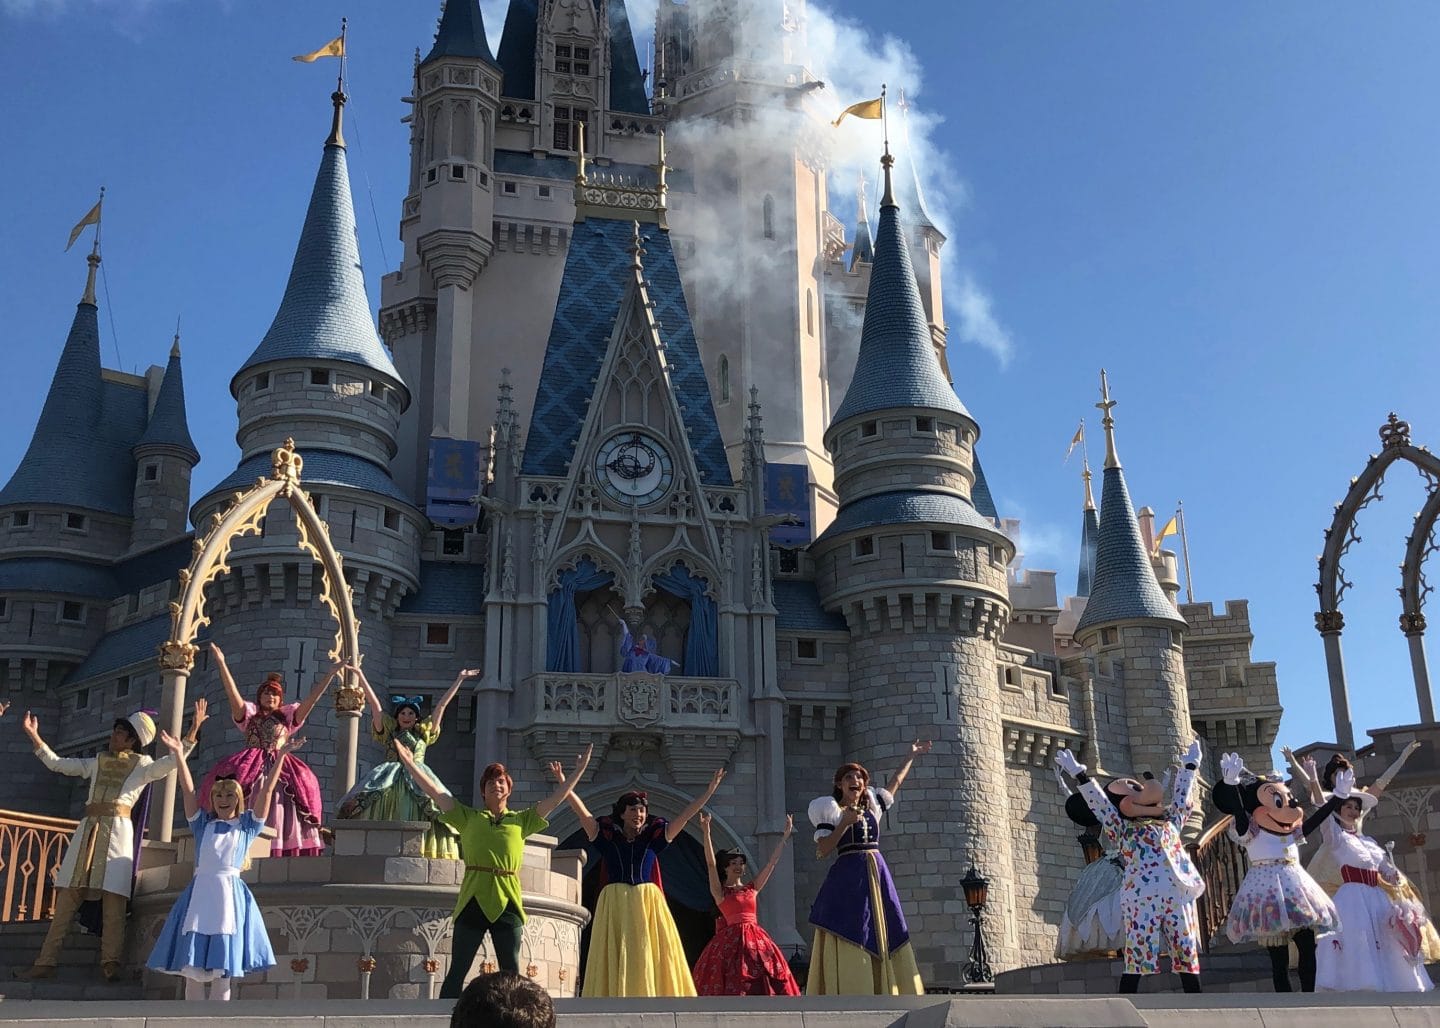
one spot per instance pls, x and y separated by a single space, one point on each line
111 970
35 972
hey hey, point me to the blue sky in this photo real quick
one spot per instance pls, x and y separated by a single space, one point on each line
1230 206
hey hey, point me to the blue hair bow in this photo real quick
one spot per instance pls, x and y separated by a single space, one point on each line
414 701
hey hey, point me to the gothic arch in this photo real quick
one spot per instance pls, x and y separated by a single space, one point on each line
1344 533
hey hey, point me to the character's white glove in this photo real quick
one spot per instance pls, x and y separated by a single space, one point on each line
1065 761
1344 783
1192 755
1230 767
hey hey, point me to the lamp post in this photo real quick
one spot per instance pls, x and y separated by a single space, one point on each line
976 972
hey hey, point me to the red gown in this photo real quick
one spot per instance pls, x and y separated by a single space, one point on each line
742 959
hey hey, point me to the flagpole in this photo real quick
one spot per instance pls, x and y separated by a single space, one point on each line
99 220
340 79
1185 551
884 119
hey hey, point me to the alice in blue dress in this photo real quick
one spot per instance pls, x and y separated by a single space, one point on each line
215 929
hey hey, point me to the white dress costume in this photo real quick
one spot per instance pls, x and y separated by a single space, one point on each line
1278 897
1370 952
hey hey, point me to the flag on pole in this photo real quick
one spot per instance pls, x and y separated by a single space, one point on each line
872 109
1172 527
1076 440
334 48
92 218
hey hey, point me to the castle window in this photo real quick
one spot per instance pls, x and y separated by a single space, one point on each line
940 541
72 611
437 634
767 217
482 178
508 189
865 546
1010 677
262 381
788 561
20 519
431 175
997 556
543 192
807 649
74 522
376 389
567 120
152 472
457 172
1059 687
122 686
724 379
4 608
1109 636
926 425
392 520
452 544
869 428
319 377
82 699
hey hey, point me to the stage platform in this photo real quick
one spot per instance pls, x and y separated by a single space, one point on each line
1255 1010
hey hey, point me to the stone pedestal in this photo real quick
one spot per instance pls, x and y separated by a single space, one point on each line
371 918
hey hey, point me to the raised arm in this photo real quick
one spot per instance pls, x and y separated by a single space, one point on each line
439 714
182 769
1303 774
75 767
428 785
769 868
675 827
717 890
260 804
302 711
232 692
158 769
567 785
1377 787
898 778
588 824
377 711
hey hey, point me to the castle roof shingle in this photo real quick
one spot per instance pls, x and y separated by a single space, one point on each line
798 609
908 506
124 647
168 423
447 588
321 467
461 33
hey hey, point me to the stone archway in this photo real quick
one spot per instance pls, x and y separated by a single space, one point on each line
1414 589
187 614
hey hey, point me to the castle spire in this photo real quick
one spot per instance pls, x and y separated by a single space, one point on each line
1089 536
863 252
461 32
169 428
1112 459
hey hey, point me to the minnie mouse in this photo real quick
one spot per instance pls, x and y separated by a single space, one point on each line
1157 899
1278 900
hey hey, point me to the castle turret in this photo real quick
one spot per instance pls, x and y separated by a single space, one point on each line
920 577
863 250
1089 537
1128 620
165 456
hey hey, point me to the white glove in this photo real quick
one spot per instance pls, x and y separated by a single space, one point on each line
1230 767
1344 783
1065 761
1192 755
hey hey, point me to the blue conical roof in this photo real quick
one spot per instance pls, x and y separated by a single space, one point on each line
168 425
1123 586
863 252
461 32
627 84
517 49
1089 537
325 314
897 365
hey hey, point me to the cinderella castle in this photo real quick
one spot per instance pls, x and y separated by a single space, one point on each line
759 462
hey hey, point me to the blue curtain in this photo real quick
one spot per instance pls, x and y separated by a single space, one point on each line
562 628
702 645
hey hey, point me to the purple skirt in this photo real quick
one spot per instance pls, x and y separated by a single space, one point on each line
845 905
296 808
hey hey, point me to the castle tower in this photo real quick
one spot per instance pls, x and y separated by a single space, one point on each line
752 132
1129 622
165 456
920 576
322 376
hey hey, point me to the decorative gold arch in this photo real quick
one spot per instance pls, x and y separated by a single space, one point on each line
243 517
1395 446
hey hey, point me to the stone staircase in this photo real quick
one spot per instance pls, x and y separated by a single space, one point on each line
77 978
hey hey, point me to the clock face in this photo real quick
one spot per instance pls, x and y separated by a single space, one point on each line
634 468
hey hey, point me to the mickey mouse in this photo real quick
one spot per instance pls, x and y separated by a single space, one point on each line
1278 900
1157 899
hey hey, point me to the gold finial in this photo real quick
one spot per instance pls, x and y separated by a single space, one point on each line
94 257
1112 459
580 154
1089 496
338 97
175 346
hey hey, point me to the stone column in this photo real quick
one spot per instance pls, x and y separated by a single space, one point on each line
172 714
1330 623
1413 625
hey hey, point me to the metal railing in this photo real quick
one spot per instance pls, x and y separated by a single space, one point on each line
1222 863
31 848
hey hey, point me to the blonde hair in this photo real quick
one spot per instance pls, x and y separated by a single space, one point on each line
227 784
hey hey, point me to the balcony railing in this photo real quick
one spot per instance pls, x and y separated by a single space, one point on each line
31 848
1222 863
638 700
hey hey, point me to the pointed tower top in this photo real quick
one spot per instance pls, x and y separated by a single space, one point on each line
637 251
1089 496
94 261
1089 539
175 345
1112 459
169 427
325 314
461 33
863 252
916 211
336 138
897 365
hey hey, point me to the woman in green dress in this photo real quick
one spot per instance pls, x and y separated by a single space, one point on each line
390 792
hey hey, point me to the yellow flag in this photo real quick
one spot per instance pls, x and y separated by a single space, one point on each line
1172 527
1078 438
92 218
872 109
334 48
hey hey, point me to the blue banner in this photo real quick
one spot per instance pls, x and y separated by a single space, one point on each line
787 491
453 483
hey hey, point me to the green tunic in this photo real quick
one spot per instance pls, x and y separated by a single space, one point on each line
488 846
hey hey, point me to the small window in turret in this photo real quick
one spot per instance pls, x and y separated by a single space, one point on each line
319 377
72 611
20 519
1109 636
4 608
865 546
940 542
262 381
392 520
925 425
152 472
508 188
543 192
75 522
869 429
457 172
562 58
582 60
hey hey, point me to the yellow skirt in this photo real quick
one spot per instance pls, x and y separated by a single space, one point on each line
1429 939
634 947
841 968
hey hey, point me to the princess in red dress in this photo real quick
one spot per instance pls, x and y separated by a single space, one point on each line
742 959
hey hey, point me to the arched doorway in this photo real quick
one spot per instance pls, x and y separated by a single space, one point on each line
687 893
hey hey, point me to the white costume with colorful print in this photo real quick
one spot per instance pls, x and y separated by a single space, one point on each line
1278 897
1157 899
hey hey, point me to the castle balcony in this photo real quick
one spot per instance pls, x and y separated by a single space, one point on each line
833 234
694 721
